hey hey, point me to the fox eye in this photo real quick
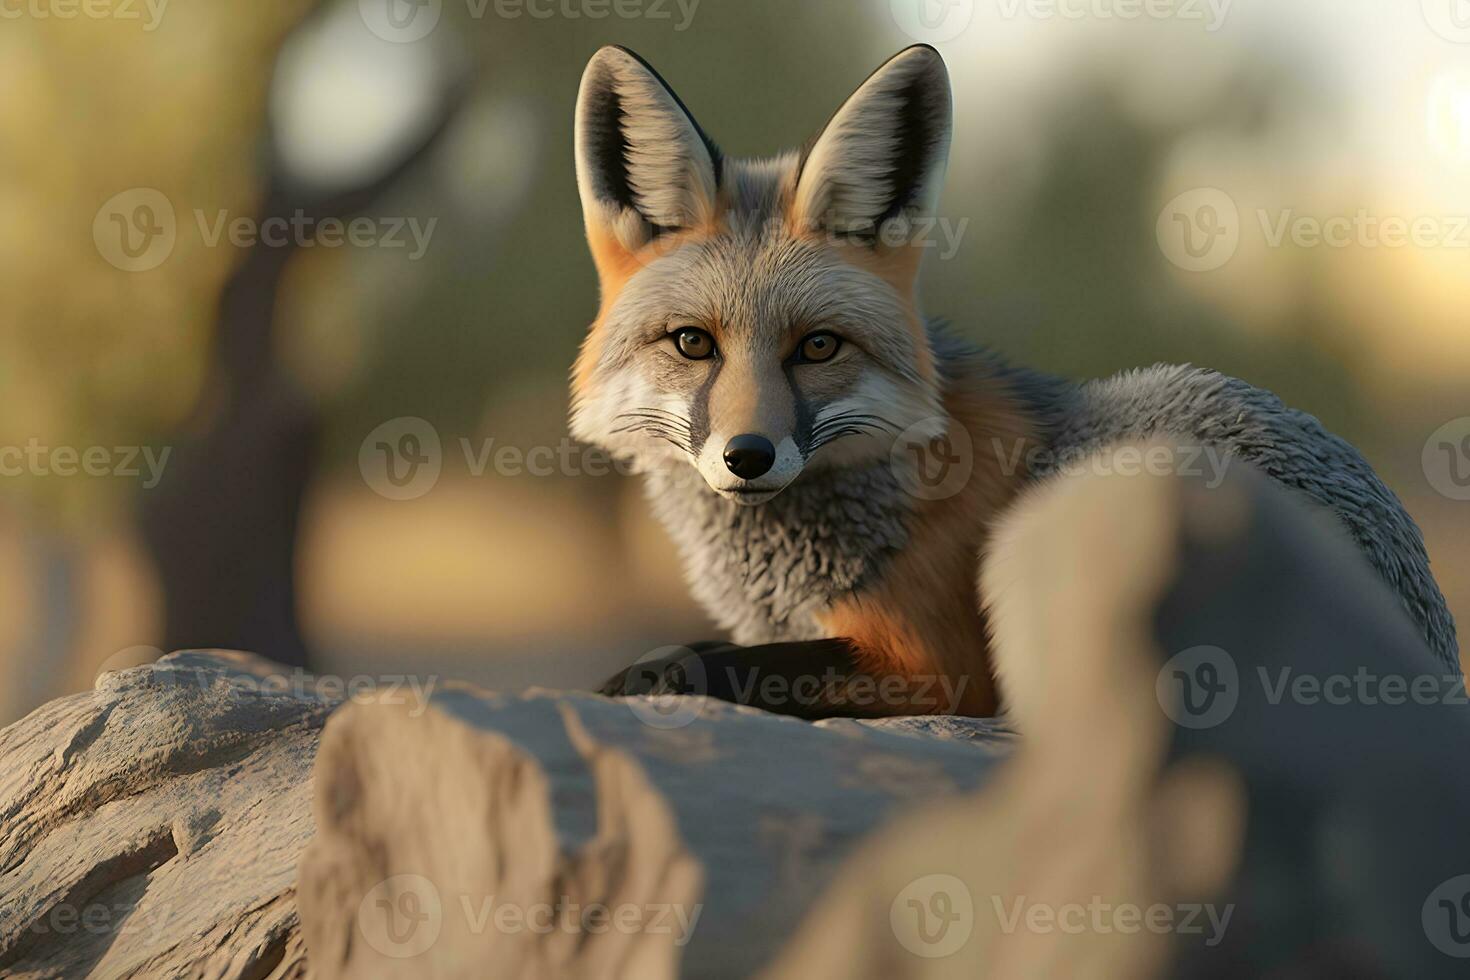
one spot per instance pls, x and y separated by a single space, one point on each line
819 347
694 343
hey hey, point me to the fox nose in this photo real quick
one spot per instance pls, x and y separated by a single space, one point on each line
749 456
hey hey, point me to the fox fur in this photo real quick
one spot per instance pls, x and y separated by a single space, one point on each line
835 538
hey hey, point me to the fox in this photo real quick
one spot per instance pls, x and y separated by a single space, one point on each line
834 466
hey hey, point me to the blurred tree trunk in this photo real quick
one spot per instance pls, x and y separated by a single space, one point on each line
222 525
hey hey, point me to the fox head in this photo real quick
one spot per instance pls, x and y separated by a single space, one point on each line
758 318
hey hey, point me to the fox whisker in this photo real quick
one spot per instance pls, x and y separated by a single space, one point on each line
659 429
845 424
832 434
657 415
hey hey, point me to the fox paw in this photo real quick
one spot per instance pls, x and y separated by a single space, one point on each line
681 672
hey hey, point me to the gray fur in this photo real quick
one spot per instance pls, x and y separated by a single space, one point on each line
763 571
1209 409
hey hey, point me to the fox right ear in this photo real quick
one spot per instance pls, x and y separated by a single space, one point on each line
644 167
882 156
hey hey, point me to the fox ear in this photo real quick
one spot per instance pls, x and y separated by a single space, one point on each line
882 156
644 167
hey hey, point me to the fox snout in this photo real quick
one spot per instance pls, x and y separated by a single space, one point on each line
750 467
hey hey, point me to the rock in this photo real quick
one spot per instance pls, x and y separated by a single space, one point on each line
151 827
576 836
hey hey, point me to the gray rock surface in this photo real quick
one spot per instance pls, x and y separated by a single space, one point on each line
166 824
484 830
151 827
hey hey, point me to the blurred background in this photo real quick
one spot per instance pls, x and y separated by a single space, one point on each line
249 251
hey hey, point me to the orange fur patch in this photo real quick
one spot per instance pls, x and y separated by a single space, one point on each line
922 620
616 265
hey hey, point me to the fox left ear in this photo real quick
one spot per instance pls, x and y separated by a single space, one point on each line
644 167
881 158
